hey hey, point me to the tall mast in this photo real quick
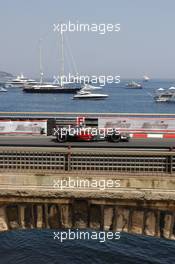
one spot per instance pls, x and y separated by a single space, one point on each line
40 61
62 60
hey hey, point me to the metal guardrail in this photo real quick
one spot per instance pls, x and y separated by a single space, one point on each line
31 161
121 163
54 160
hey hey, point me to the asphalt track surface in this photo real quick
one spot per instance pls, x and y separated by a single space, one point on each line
44 141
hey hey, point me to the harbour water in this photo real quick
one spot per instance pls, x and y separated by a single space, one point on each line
120 100
19 247
36 246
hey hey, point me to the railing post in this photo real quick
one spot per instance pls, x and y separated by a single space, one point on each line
169 164
67 159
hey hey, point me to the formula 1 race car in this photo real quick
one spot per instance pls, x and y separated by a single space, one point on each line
77 133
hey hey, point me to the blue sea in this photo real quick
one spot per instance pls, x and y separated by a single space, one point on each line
35 246
120 100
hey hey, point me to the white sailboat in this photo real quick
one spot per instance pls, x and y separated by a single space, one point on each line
36 86
46 87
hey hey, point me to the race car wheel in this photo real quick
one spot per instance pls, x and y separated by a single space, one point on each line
61 138
115 137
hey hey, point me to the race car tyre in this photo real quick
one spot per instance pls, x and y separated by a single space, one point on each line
115 137
61 138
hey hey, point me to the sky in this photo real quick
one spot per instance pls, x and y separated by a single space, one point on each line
145 43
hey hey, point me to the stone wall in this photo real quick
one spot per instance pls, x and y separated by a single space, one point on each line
142 204
85 213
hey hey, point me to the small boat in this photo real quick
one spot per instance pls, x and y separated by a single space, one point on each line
165 95
88 95
134 85
146 78
88 87
2 89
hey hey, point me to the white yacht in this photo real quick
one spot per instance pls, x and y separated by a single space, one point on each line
20 81
88 95
165 95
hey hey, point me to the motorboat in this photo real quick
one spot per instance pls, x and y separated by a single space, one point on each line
88 95
88 87
165 95
2 89
146 78
134 85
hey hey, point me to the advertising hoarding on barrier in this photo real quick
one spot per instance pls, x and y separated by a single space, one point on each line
138 124
23 127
